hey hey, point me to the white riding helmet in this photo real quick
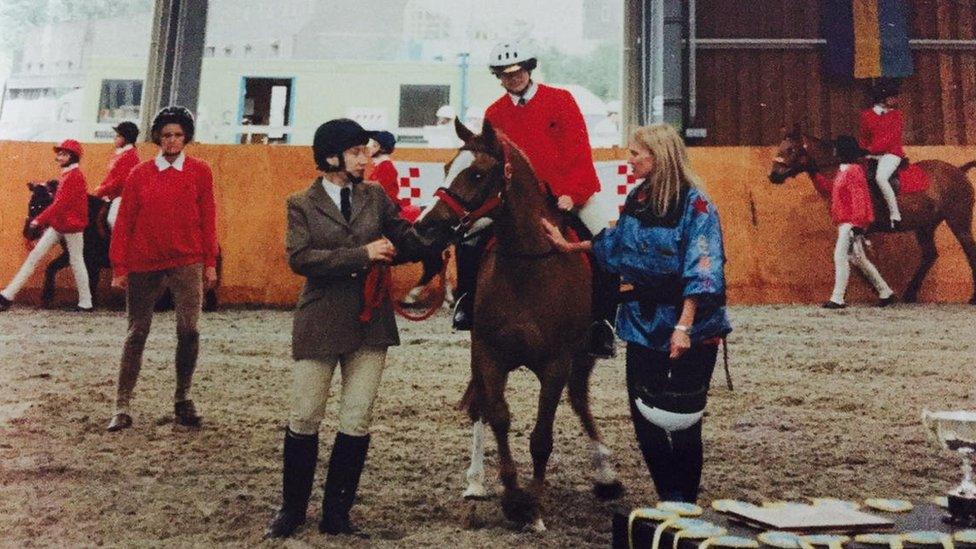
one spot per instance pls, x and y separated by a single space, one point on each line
446 111
507 57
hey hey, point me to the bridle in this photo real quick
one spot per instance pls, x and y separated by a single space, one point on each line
467 213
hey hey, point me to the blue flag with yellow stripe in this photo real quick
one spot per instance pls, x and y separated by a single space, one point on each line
866 38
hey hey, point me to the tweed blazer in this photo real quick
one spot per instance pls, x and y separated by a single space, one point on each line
330 253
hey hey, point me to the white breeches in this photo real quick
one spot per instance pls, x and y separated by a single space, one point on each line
76 246
850 249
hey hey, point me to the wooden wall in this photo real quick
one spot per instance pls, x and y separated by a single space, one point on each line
746 95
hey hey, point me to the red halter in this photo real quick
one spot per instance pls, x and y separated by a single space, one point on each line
466 217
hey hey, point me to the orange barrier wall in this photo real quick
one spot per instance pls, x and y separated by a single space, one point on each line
779 239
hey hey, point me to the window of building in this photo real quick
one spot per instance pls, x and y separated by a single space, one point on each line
266 110
419 104
391 64
120 100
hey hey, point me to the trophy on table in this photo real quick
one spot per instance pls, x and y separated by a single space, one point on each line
956 431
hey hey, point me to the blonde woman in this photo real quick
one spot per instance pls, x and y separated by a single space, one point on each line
667 245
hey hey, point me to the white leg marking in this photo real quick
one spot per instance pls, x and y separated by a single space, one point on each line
476 471
603 471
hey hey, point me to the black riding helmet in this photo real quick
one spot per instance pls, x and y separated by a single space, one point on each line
128 131
334 137
848 149
174 114
883 88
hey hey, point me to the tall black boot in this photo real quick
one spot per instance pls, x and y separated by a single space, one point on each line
606 294
345 467
301 453
468 260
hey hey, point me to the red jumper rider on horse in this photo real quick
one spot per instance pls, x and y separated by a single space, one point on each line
881 136
547 125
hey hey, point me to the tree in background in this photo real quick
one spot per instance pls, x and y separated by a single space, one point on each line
598 70
19 17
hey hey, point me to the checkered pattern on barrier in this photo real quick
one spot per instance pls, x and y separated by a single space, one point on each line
419 180
409 189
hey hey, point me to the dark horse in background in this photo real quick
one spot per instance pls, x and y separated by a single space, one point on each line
532 310
97 239
948 198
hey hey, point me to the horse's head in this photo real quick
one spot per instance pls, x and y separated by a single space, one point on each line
792 157
474 181
42 195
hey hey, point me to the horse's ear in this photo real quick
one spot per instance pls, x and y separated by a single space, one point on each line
488 133
462 131
31 185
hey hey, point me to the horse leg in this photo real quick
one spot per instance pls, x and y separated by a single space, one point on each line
47 293
606 485
517 505
475 474
553 380
961 225
926 242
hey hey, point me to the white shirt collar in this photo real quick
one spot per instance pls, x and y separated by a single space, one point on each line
527 96
124 148
69 167
163 165
879 109
334 191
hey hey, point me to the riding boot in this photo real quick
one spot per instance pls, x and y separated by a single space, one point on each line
301 453
345 467
606 289
468 260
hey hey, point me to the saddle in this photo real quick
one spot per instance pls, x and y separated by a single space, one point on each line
907 179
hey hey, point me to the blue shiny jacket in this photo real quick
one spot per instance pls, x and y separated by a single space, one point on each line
667 260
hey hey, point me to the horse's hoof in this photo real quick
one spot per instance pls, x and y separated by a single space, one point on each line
476 491
537 526
520 506
608 492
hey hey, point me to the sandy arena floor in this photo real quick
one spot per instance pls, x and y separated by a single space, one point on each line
825 404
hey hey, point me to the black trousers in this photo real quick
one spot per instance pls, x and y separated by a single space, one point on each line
674 459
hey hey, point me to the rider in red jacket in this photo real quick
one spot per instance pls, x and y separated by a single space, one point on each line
853 212
547 125
881 135
125 158
66 218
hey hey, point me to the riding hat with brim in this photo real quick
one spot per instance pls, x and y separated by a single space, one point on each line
509 57
336 136
69 145
884 88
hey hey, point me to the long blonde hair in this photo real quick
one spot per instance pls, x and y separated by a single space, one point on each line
671 175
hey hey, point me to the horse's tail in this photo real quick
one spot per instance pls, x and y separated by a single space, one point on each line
967 166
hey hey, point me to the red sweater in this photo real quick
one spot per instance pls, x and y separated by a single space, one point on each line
550 130
385 173
882 133
167 219
69 211
850 199
118 170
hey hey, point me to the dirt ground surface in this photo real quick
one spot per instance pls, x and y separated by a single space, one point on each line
826 403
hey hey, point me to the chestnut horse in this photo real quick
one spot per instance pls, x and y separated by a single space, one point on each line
532 309
948 198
